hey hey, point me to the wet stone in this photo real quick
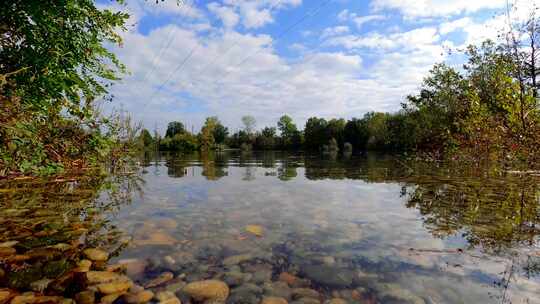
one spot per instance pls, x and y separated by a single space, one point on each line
7 251
278 289
161 279
114 287
328 275
208 290
110 298
273 300
95 254
336 301
138 297
236 259
304 293
85 297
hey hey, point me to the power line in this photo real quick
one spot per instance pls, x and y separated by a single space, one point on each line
170 37
306 16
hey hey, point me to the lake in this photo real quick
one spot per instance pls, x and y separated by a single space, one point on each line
308 228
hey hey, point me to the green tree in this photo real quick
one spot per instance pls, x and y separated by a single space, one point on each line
315 133
146 138
173 128
54 55
220 133
206 136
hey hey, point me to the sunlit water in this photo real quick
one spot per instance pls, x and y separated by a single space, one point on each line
369 229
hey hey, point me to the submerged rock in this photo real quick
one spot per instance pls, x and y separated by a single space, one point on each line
304 293
255 229
161 279
237 259
336 301
209 290
329 276
273 300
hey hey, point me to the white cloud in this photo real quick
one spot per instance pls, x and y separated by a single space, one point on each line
361 20
438 8
228 16
451 26
335 31
414 39
345 16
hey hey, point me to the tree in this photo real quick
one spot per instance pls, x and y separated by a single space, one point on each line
315 133
356 133
54 55
288 130
173 128
220 133
249 124
207 139
146 138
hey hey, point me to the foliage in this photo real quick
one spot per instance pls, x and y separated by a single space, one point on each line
54 65
173 128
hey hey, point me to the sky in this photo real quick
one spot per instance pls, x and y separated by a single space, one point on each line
190 59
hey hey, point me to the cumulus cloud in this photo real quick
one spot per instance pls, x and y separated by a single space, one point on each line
435 8
195 67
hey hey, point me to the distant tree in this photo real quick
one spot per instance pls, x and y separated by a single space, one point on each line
220 133
315 133
249 124
146 138
206 136
356 133
336 128
289 131
174 127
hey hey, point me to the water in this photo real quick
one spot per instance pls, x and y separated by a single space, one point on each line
369 229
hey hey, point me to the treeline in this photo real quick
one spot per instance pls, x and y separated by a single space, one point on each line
488 109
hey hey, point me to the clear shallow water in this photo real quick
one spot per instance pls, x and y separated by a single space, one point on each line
373 229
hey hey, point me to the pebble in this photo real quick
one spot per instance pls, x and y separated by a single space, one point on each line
139 297
84 265
7 251
274 300
114 287
336 301
6 294
208 290
85 297
255 229
8 244
95 254
98 277
31 298
304 293
288 278
110 298
237 259
161 279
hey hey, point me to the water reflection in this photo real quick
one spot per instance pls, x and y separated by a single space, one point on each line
45 225
308 228
414 232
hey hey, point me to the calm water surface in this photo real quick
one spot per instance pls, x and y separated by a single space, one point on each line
370 229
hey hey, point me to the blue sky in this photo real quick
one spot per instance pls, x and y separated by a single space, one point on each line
265 58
